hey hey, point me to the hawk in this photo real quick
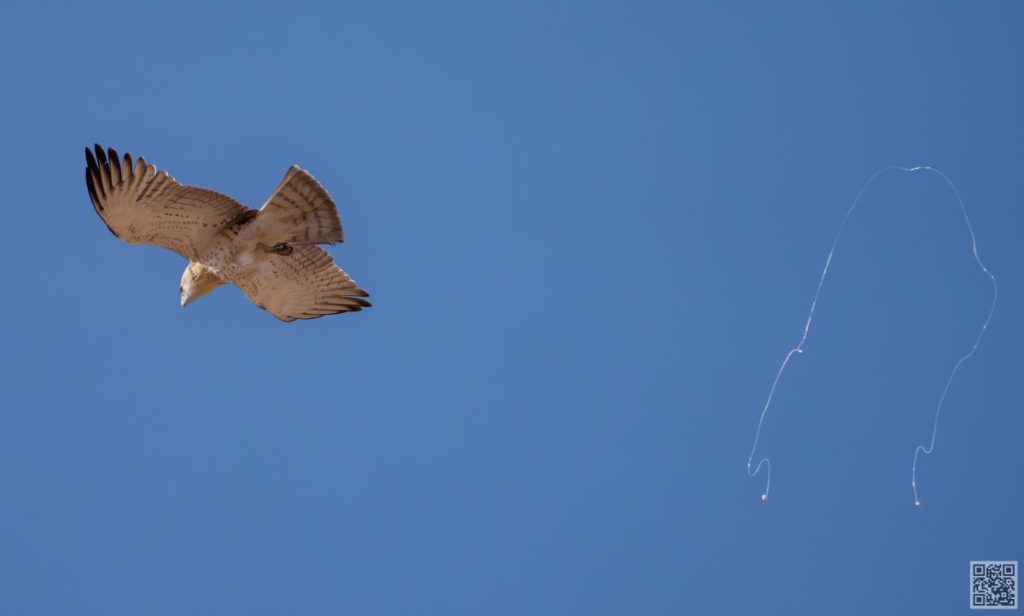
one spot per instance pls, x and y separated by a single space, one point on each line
272 254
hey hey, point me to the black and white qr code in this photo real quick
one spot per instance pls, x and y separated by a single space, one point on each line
994 584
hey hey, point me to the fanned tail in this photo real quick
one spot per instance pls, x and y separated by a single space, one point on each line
300 212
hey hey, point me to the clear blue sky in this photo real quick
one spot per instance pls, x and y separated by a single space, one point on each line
591 231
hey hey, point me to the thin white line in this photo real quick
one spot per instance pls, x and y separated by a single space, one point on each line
765 462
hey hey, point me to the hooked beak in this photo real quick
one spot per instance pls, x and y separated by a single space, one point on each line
184 302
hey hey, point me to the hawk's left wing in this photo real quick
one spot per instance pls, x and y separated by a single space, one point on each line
141 205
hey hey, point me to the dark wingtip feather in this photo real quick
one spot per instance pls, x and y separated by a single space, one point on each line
90 184
92 173
92 191
90 160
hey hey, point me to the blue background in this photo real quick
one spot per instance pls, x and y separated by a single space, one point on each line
591 231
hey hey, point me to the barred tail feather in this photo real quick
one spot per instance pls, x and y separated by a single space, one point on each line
300 212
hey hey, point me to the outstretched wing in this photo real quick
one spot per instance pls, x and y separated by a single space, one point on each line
305 284
141 205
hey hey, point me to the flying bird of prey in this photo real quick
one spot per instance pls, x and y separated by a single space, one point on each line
270 253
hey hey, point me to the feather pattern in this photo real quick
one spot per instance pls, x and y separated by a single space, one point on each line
300 212
303 285
271 254
141 205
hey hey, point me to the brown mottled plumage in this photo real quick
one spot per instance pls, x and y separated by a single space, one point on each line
270 253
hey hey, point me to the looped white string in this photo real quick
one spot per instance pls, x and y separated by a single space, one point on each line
799 348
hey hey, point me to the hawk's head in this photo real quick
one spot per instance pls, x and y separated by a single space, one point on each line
196 282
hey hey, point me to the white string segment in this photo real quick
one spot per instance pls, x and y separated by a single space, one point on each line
752 471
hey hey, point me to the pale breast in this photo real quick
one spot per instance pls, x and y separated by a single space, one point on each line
234 255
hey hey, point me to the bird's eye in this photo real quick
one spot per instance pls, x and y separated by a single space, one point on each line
181 290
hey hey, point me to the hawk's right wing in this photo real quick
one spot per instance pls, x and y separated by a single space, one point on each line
141 205
305 284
